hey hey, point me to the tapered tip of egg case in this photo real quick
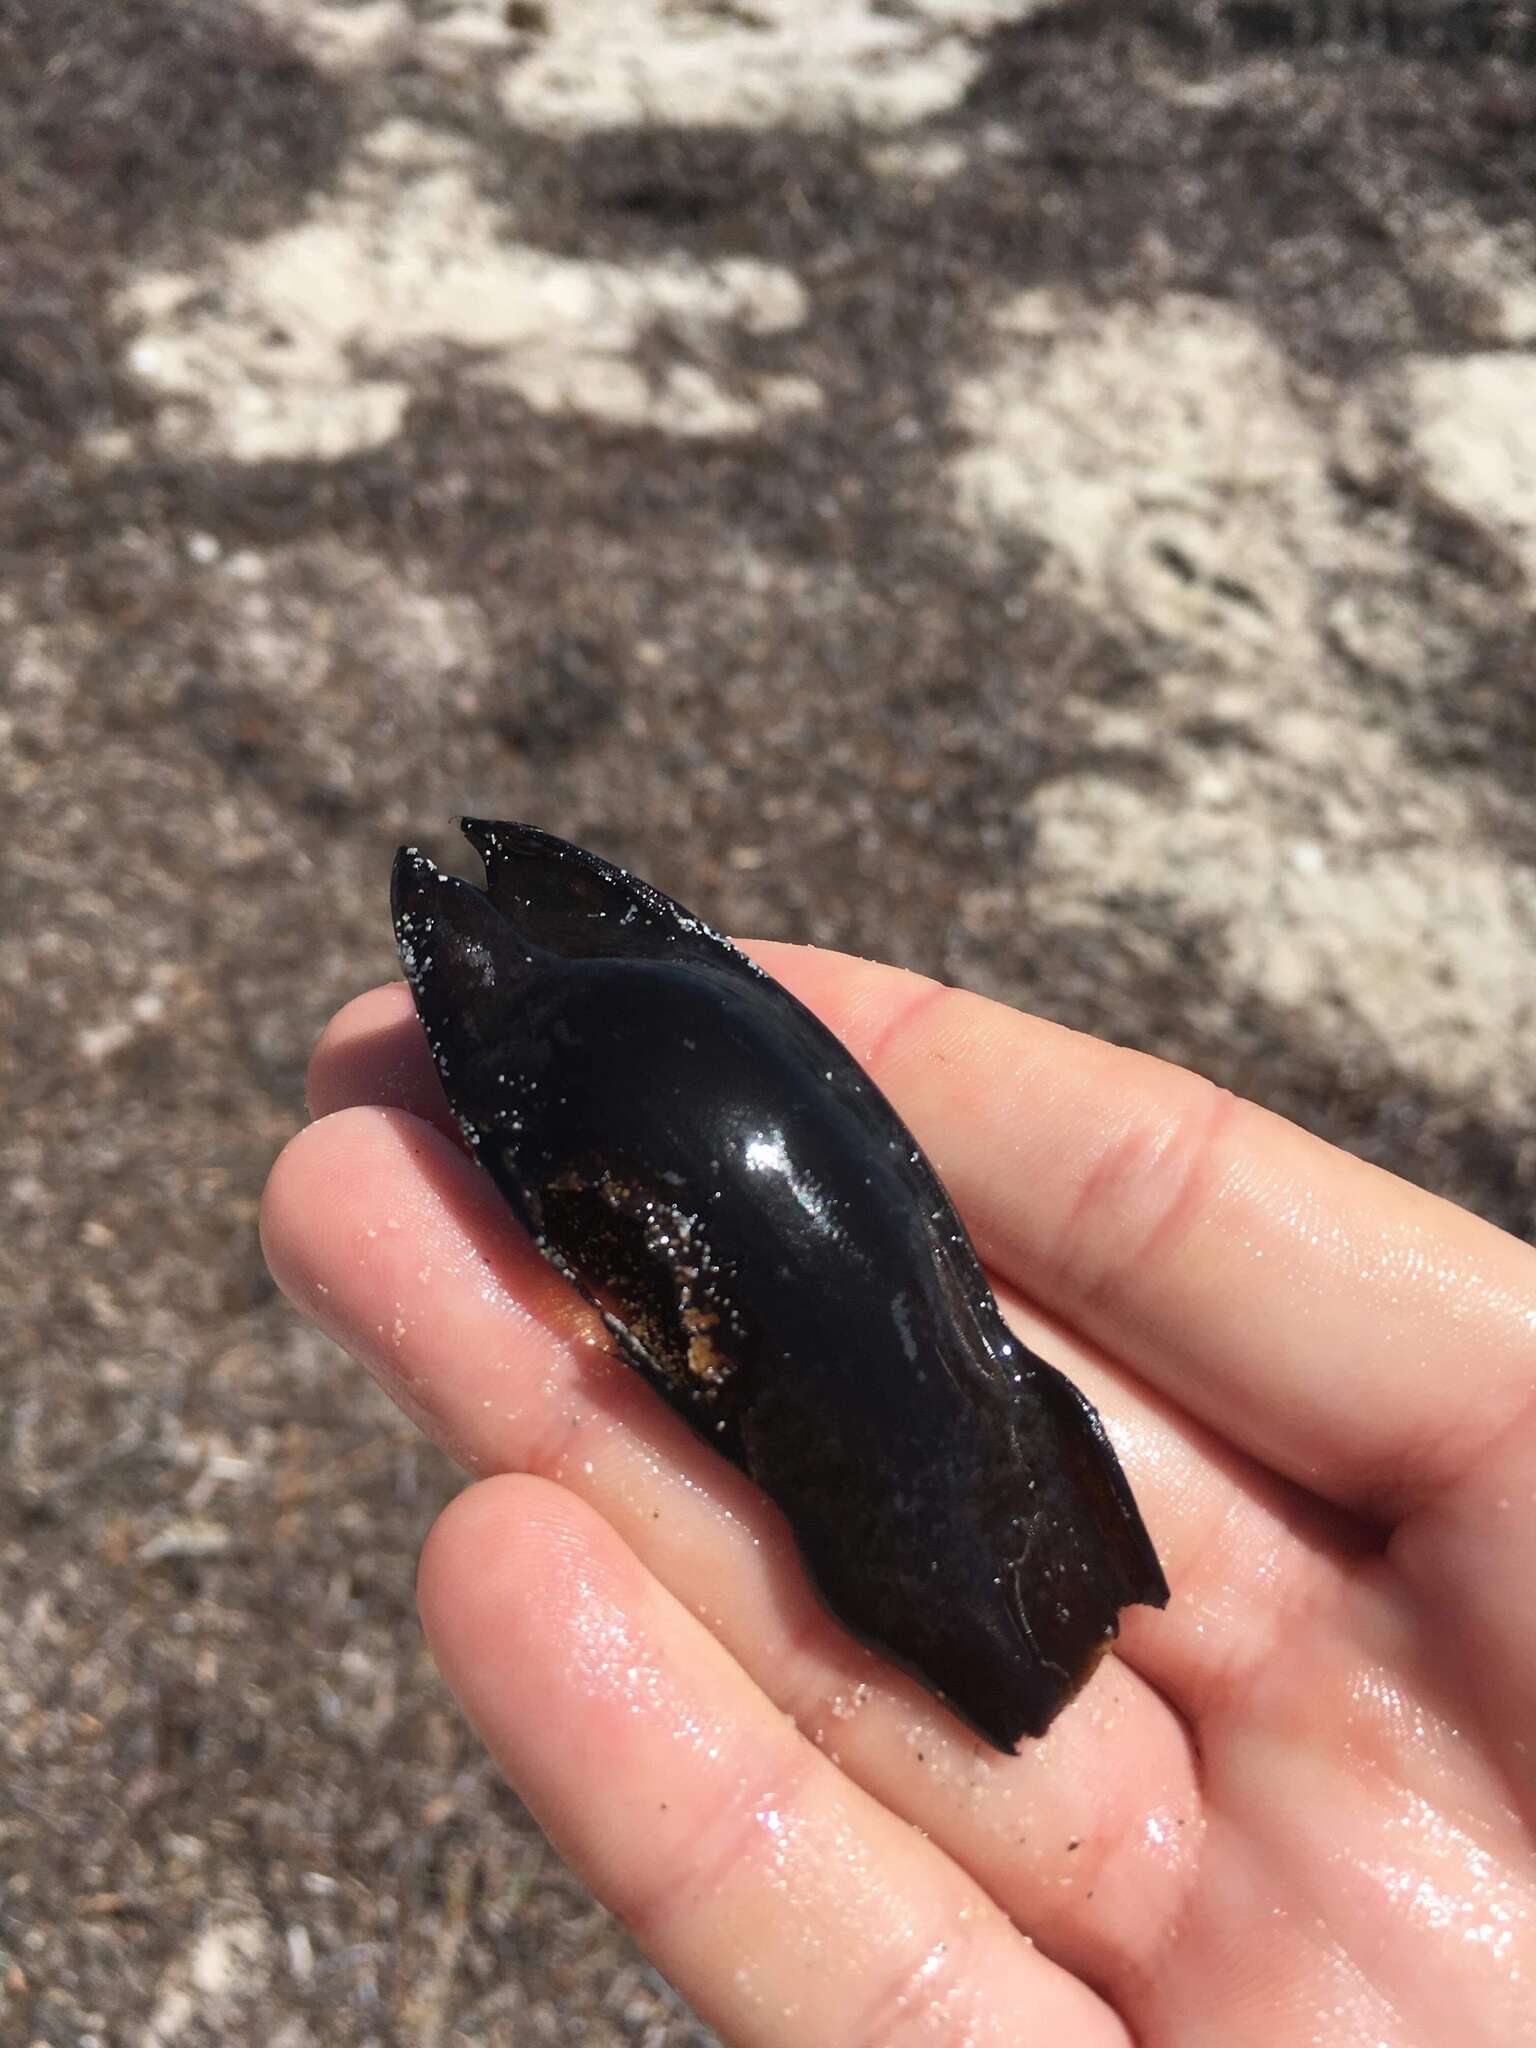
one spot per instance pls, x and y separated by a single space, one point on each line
496 839
453 945
410 887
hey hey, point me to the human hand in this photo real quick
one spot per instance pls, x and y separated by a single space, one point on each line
1296 1808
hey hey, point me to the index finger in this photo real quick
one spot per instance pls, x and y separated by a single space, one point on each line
1358 1334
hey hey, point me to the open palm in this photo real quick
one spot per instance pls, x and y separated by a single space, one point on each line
1296 1808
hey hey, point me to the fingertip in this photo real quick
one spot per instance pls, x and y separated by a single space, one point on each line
310 1189
491 1550
373 1051
534 1607
284 1196
450 1573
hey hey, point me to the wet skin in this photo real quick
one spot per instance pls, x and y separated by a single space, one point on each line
1296 1807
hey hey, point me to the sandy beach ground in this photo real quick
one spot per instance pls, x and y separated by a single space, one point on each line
1042 493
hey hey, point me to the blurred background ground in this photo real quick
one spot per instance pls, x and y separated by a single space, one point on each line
1043 493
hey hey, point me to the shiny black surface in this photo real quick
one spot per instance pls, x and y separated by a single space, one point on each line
772 1251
